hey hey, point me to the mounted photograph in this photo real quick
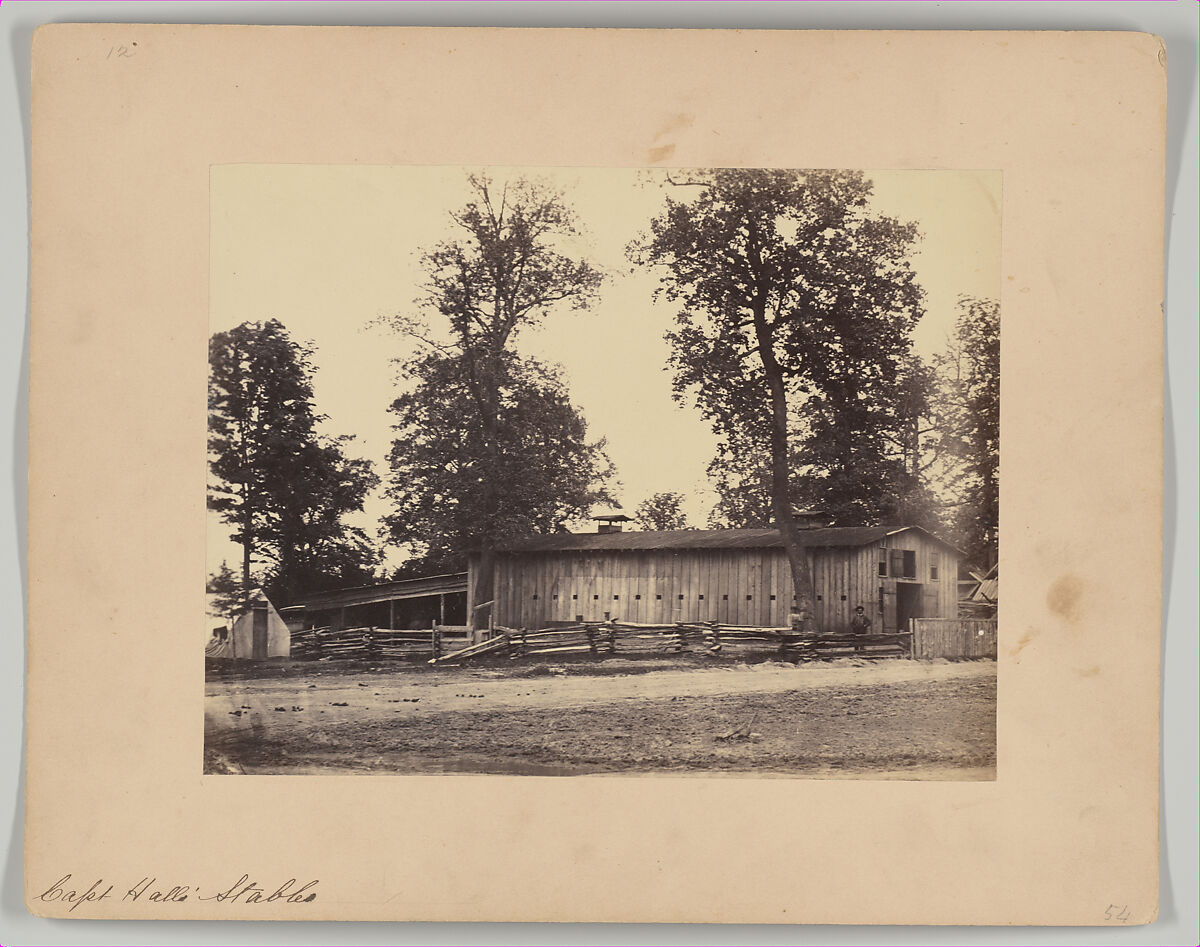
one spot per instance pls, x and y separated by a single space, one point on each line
603 471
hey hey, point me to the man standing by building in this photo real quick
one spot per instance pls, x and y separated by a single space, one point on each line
860 625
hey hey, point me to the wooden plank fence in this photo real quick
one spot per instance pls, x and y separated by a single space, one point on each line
953 637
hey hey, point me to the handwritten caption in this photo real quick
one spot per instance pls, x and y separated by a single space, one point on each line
243 891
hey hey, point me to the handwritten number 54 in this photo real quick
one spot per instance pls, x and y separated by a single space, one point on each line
1116 912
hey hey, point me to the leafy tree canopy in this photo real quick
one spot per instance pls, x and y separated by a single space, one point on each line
544 468
969 407
661 511
796 309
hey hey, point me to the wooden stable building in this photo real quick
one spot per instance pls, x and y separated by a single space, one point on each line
734 576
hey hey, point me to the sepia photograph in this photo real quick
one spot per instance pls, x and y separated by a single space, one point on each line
603 471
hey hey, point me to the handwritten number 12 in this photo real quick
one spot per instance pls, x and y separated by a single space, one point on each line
123 52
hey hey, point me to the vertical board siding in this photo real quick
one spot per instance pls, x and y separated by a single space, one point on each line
597 576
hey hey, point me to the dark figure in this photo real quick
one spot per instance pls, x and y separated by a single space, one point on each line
860 625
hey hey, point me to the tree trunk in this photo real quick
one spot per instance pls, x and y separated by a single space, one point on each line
246 554
781 502
483 589
490 410
781 506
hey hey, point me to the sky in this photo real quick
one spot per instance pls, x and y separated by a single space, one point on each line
329 250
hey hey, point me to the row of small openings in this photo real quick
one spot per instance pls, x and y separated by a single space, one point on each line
724 598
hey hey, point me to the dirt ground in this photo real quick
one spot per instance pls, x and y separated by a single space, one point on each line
891 719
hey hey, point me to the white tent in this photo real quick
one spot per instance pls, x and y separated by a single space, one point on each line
258 633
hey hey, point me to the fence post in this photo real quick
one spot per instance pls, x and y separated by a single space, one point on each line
590 631
612 638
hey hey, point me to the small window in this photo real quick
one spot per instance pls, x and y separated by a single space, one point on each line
702 598
772 598
535 596
724 598
616 598
658 598
749 598
575 596
819 599
579 619
681 598
637 597
910 564
883 559
595 598
933 567
555 596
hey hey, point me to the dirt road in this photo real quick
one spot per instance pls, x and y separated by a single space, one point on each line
891 719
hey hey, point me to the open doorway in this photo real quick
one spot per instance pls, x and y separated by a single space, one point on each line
908 603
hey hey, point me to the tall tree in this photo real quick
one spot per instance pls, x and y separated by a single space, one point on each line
969 407
790 290
504 272
453 491
661 511
283 488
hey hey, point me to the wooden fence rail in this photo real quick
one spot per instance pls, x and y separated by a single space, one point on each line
953 637
713 638
370 642
441 644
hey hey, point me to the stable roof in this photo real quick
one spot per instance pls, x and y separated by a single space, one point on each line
388 591
709 539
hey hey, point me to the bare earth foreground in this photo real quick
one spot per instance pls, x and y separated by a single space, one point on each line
893 719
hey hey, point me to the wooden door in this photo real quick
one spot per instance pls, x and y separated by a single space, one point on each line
908 603
258 640
888 595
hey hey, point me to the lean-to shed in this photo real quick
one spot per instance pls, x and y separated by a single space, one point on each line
734 576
